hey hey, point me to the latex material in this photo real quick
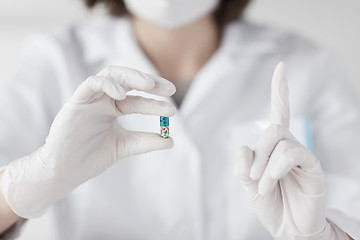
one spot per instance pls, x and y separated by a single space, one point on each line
170 13
85 139
284 181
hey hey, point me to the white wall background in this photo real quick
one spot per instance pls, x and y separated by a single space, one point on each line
331 23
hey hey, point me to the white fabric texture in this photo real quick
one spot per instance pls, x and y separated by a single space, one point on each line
188 192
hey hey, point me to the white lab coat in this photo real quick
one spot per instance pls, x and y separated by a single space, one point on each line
188 192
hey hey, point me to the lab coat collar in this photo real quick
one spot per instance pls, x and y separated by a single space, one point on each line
111 39
240 39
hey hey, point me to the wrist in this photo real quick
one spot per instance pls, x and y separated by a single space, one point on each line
7 215
27 186
329 232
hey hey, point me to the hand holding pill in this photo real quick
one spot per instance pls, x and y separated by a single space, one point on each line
85 138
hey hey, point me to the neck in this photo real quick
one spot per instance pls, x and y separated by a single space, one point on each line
178 54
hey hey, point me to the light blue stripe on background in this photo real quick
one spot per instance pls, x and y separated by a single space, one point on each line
308 135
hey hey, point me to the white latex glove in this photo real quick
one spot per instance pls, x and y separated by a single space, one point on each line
85 139
284 181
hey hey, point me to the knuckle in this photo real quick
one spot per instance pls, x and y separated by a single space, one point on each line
278 132
107 71
91 78
93 82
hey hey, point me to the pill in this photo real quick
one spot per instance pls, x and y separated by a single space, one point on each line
164 127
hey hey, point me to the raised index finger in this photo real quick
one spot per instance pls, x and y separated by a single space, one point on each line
280 111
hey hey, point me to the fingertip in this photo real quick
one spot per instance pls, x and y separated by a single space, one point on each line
163 87
143 142
172 111
279 72
243 149
244 152
168 142
172 89
243 162
280 67
244 156
169 88
255 174
280 96
163 108
169 111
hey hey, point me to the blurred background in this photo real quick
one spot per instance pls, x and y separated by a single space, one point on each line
330 23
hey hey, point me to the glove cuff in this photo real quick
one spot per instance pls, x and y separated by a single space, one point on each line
331 232
26 186
336 232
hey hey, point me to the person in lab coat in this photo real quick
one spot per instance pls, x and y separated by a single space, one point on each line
78 83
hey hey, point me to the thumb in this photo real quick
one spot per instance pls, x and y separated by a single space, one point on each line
280 111
143 142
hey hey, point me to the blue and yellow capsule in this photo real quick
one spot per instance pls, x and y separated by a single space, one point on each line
164 127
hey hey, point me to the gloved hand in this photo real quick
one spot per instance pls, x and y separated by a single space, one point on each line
284 181
85 139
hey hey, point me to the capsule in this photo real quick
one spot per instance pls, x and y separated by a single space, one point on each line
164 127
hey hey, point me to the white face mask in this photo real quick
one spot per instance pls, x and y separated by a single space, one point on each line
170 13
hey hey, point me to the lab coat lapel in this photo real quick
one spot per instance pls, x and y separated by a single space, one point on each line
238 48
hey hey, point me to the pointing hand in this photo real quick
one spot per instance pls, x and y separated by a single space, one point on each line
284 181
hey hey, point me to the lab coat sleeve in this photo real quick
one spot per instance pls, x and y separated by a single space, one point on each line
336 129
29 100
